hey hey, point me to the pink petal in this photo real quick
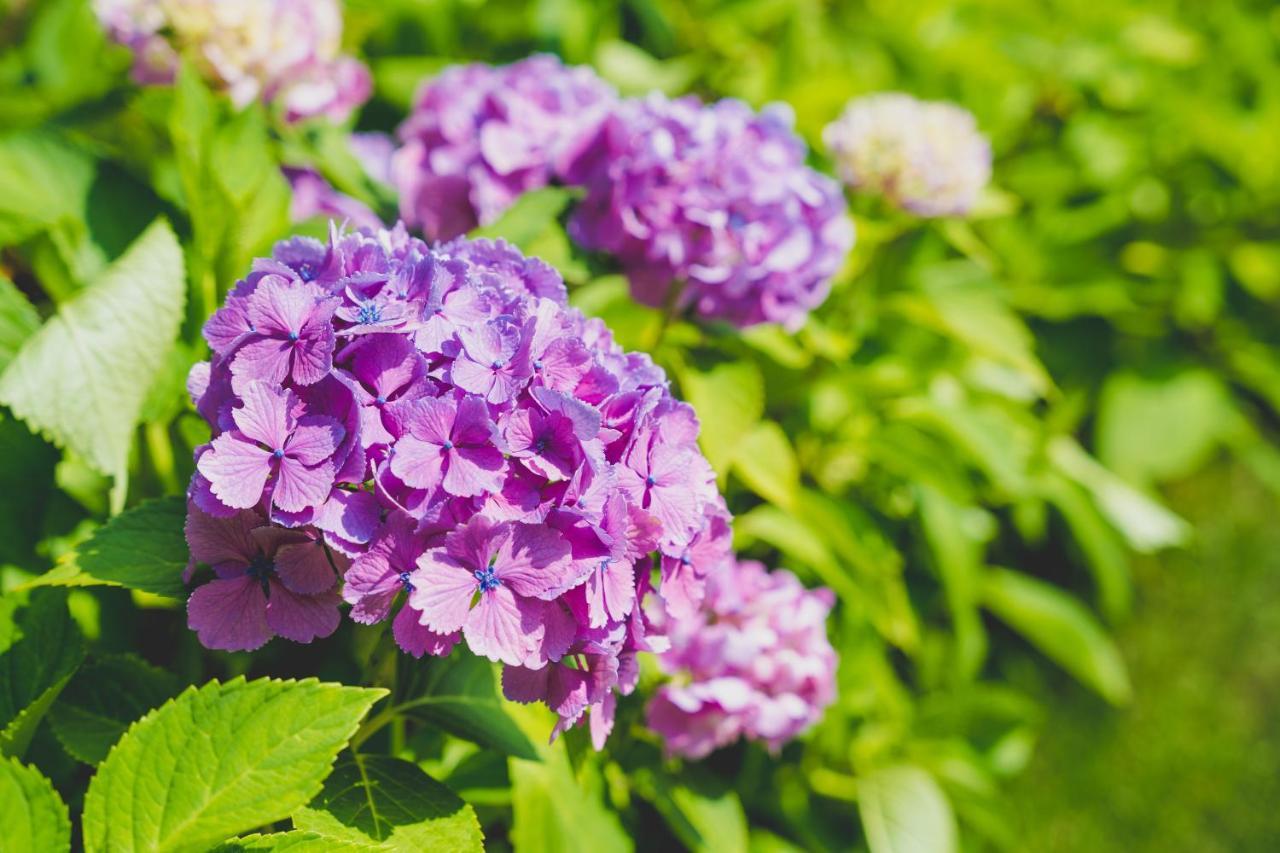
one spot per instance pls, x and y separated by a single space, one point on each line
218 541
302 618
602 716
262 359
313 357
535 561
473 471
555 631
278 307
264 416
299 487
229 614
472 376
314 439
473 427
496 627
304 568
418 463
236 469
417 639
442 590
430 419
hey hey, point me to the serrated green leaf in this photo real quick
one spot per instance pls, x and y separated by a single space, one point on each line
220 760
376 798
83 377
18 321
103 698
32 815
143 548
1062 628
459 697
45 649
904 811
295 841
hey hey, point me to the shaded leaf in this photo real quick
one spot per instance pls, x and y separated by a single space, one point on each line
45 648
460 697
103 698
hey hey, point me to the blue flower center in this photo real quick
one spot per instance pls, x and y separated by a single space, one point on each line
685 559
448 445
370 312
293 336
541 444
737 220
380 400
650 481
278 453
537 364
306 272
498 364
405 582
260 568
604 565
487 579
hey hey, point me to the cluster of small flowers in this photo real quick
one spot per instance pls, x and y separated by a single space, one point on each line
434 429
925 156
704 206
480 135
279 51
755 663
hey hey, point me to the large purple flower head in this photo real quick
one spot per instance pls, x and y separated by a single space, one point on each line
754 663
481 463
480 135
279 51
711 207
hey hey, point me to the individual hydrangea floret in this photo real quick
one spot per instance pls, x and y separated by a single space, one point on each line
925 156
711 207
480 135
754 663
474 459
283 52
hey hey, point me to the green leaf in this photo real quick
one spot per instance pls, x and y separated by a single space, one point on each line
43 181
30 460
143 548
103 699
376 798
45 649
729 400
532 214
702 811
32 814
957 535
83 377
765 462
1062 628
18 321
905 811
295 841
220 760
460 698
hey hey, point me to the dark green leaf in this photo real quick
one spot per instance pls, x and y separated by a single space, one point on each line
103 698
460 697
44 649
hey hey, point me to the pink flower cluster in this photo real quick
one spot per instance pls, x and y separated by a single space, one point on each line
277 51
754 663
480 135
433 432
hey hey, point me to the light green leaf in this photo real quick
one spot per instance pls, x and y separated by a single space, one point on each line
729 400
103 699
43 181
957 535
905 811
459 697
143 548
1062 628
295 841
83 377
32 815
45 648
703 812
531 215
376 798
220 760
765 462
18 321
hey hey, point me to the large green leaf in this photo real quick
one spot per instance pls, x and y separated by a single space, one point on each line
376 798
1062 628
766 463
220 760
83 377
27 459
294 841
18 321
701 810
143 548
43 181
729 400
32 815
904 811
532 214
44 649
459 696
103 698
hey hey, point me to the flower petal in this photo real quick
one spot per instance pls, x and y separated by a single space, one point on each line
229 614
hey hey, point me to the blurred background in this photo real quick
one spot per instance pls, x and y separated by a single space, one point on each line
1035 452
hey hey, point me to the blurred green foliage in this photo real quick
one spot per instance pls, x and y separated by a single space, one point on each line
964 443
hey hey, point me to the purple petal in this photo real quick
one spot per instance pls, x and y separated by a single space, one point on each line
442 591
496 627
418 463
279 307
314 439
265 415
229 614
302 618
304 567
417 639
534 561
299 487
262 359
473 471
221 541
237 470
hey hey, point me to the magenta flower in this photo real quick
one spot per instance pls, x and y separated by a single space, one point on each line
450 443
273 447
292 336
269 581
569 691
491 363
511 570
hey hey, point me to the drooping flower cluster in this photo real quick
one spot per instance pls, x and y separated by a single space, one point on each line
925 156
277 51
480 135
432 431
754 663
712 207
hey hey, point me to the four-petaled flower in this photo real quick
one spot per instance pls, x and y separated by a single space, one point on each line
448 443
292 335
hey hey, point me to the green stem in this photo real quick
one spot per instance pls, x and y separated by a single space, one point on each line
160 448
670 310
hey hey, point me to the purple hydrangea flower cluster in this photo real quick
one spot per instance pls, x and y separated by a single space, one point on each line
755 663
928 157
712 207
277 51
432 432
480 135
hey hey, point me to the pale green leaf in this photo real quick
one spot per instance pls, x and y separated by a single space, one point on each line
905 811
766 463
103 698
43 181
83 377
32 815
376 798
1061 628
702 811
18 321
729 400
220 760
531 215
